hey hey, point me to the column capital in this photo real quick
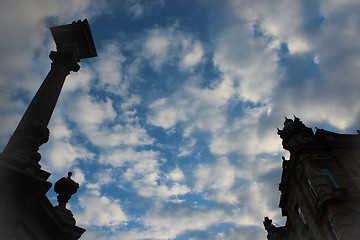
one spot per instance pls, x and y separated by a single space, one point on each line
65 57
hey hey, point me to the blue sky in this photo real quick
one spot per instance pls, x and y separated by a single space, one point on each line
171 130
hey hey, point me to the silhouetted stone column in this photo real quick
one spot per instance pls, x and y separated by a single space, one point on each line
25 211
32 130
74 42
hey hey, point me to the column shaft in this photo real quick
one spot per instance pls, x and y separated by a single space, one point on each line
32 130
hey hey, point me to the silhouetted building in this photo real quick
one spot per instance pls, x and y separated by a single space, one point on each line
320 185
25 211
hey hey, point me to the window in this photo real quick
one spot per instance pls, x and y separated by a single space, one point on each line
311 188
331 177
301 215
333 231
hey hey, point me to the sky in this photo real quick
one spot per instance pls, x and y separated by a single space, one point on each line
171 131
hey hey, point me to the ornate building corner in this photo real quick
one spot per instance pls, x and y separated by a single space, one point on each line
320 185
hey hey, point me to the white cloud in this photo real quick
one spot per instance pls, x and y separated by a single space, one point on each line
193 106
107 212
147 187
109 69
158 42
102 177
188 148
306 30
217 181
143 173
61 152
139 8
79 81
251 131
122 157
156 45
167 223
105 122
176 175
90 112
171 46
78 176
206 109
136 9
92 117
28 20
282 20
193 56
251 66
146 179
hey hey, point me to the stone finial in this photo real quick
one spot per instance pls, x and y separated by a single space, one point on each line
65 187
268 224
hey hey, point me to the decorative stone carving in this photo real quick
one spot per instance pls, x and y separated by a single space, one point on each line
290 125
28 140
65 187
66 57
274 233
268 224
295 133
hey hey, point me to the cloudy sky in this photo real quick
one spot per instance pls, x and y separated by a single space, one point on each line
171 130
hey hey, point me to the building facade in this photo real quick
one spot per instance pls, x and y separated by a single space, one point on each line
320 185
